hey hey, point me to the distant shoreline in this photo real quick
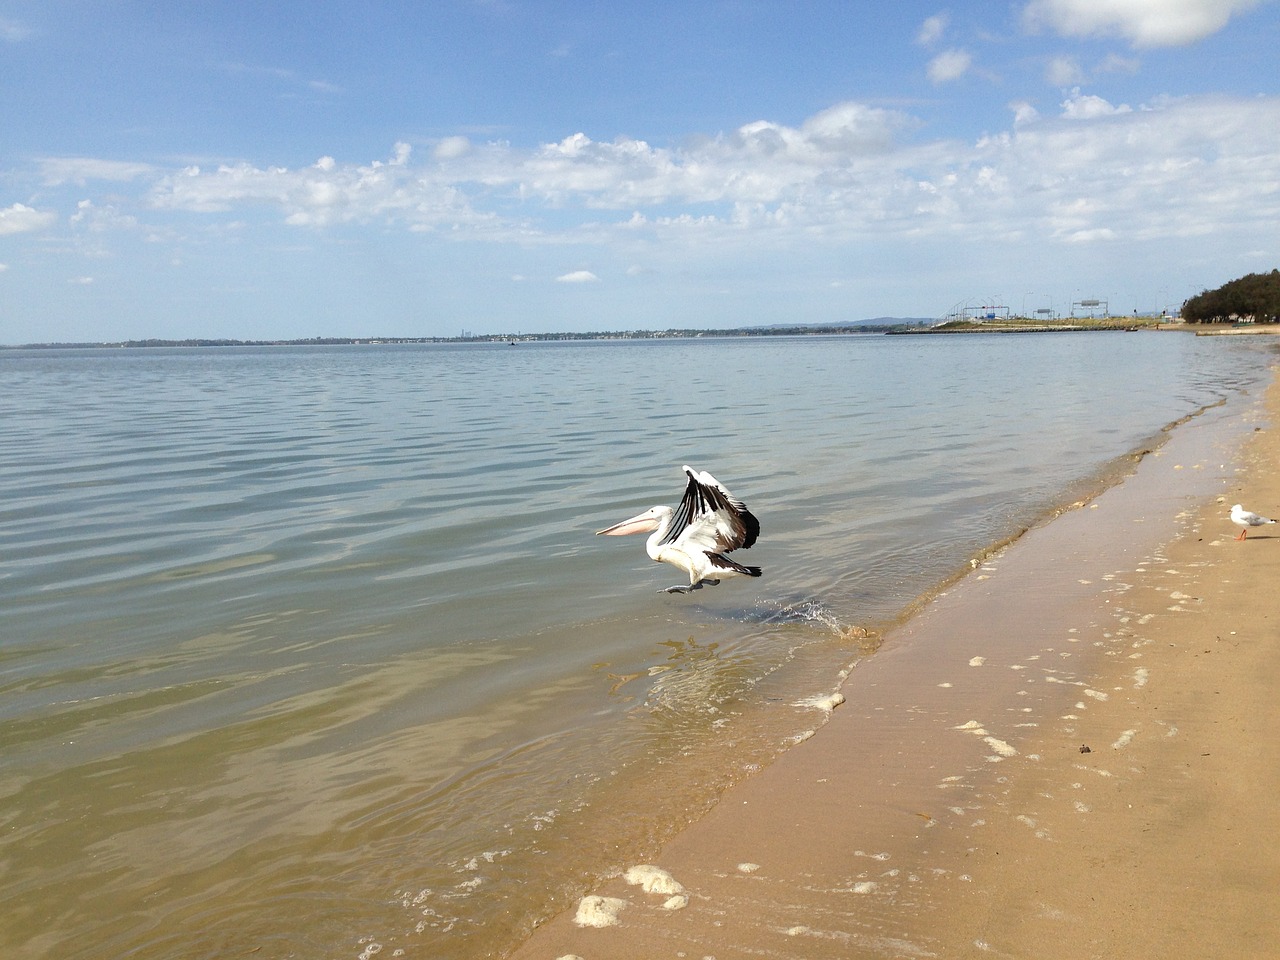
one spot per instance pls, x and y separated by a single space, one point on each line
672 334
907 327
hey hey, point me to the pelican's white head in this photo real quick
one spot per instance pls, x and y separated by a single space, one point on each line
646 522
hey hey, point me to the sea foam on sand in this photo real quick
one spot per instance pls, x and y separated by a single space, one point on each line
653 879
594 911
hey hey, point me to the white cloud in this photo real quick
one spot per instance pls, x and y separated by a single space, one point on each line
1094 235
1023 112
451 148
932 29
1145 23
1114 63
1063 72
324 193
853 127
99 219
578 276
1080 106
3 267
845 174
950 65
56 171
1176 169
20 218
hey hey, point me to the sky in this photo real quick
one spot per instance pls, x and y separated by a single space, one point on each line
393 168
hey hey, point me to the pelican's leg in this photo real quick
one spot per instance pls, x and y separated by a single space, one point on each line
681 588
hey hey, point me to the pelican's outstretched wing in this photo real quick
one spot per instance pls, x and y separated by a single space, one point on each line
710 518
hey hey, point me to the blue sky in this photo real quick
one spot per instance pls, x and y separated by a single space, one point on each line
282 170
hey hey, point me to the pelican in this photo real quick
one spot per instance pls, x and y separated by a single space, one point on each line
1247 519
709 523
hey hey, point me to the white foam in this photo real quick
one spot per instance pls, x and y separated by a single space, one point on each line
1124 739
873 856
1000 747
653 879
825 703
748 867
595 911
977 661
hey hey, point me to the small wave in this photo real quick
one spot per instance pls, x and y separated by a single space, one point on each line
797 611
814 612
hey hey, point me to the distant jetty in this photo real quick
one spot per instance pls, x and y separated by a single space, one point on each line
1127 326
1092 325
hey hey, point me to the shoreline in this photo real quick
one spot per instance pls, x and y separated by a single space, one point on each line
949 807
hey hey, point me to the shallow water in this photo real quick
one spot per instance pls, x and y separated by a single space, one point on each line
311 651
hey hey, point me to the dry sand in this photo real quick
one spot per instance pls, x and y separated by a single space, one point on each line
1074 752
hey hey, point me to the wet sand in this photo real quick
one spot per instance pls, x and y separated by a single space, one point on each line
1073 752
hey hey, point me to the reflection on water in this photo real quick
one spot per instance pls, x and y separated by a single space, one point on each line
311 652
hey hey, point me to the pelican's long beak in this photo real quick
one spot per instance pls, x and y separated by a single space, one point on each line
644 523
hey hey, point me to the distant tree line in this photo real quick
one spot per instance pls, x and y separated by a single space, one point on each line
1254 297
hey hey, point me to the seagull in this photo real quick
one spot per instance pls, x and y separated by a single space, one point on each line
1247 519
709 523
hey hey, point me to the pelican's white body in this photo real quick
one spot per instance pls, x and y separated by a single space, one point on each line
695 537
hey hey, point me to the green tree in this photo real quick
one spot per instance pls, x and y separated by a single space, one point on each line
1256 295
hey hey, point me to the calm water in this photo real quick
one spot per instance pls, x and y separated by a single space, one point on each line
311 652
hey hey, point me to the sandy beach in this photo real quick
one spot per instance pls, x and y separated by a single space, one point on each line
1073 752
